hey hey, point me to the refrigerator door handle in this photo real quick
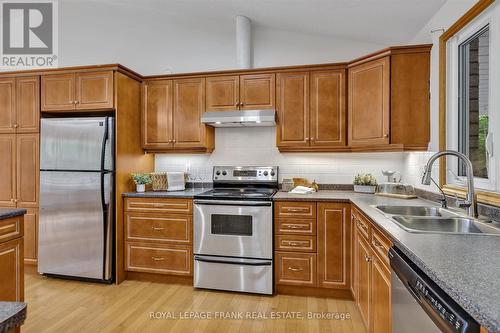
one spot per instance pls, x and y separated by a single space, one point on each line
103 145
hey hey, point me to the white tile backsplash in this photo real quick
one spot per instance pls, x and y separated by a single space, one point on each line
414 164
257 146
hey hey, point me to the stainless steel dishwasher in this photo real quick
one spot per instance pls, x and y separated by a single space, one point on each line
419 305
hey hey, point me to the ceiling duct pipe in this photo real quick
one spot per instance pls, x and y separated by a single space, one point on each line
243 42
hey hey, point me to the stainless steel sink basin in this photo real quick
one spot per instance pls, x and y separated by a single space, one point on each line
457 225
415 211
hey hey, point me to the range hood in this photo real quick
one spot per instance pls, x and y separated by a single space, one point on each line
247 118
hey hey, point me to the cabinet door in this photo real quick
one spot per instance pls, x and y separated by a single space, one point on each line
8 170
293 110
222 93
11 271
328 109
369 102
28 169
380 321
94 90
31 235
333 245
257 92
189 105
28 104
58 92
7 105
362 278
157 114
296 269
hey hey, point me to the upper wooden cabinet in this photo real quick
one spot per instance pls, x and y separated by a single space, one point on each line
389 105
171 116
19 104
369 86
77 91
240 92
311 111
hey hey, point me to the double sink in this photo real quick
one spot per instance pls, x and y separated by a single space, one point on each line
428 219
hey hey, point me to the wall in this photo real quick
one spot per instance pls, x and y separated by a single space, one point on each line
414 163
155 42
257 146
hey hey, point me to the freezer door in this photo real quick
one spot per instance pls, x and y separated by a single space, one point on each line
72 224
76 143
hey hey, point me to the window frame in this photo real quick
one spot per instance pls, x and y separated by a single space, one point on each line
488 18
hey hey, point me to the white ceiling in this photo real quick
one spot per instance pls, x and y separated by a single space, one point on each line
387 22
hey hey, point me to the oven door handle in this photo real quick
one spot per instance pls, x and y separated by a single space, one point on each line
233 261
233 203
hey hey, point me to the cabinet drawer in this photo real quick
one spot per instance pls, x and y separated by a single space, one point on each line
159 227
362 225
296 243
295 227
11 228
296 269
159 205
286 209
381 246
155 258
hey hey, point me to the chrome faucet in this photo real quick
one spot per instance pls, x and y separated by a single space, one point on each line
470 200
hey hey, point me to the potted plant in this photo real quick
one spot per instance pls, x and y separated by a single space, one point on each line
365 183
141 180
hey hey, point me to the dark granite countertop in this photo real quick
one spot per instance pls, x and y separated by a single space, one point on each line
12 315
466 267
188 193
6 213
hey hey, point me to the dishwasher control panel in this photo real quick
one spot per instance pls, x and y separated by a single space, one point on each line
444 312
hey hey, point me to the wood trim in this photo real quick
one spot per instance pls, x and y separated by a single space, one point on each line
491 198
160 278
390 51
314 292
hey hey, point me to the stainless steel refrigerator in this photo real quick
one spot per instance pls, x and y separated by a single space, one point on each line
76 197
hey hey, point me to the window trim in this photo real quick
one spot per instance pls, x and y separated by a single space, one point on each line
488 197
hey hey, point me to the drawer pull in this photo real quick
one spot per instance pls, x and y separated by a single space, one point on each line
158 229
294 269
377 244
158 258
296 243
297 226
296 209
362 226
367 258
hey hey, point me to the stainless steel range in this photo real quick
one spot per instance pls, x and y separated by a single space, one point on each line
233 230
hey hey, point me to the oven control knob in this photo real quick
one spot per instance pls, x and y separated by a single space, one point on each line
265 173
218 173
224 173
272 173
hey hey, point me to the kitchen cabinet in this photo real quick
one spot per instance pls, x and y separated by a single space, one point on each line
389 100
11 260
311 110
157 115
158 236
31 235
27 170
171 116
369 86
20 104
296 269
333 245
372 276
8 170
78 91
223 93
240 92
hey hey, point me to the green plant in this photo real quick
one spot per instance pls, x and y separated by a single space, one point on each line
365 179
141 178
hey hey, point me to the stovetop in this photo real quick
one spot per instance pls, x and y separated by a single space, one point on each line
238 193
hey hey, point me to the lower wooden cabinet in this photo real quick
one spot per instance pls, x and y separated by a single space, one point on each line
31 236
295 269
163 259
11 260
372 276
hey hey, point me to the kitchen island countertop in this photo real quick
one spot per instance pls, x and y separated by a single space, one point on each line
12 315
6 213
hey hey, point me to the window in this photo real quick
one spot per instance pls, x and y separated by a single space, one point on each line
473 117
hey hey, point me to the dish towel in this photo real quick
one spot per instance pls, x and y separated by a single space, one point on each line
302 190
175 181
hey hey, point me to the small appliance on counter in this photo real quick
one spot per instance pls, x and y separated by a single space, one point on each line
394 188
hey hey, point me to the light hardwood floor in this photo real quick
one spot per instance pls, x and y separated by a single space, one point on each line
56 305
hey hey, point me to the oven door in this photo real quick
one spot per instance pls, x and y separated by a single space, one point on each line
233 228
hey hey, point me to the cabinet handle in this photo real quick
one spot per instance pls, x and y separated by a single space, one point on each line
297 226
362 226
293 269
158 258
296 209
307 139
16 125
386 135
377 244
174 141
311 139
295 243
158 229
367 258
77 102
12 200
